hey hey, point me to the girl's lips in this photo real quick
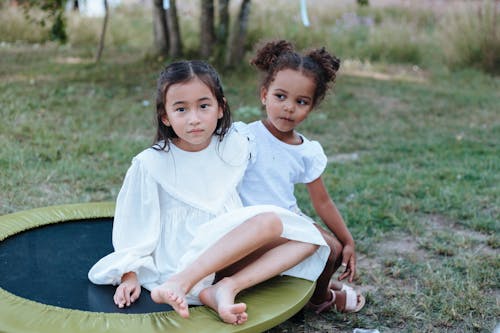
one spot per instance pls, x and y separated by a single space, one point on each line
196 130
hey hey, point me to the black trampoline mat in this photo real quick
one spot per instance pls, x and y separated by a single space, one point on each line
49 265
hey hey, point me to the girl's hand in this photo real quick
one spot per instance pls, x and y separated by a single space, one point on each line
128 291
349 263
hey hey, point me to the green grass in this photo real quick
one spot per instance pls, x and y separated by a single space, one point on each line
421 199
428 151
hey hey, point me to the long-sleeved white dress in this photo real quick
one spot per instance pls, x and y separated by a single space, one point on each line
174 204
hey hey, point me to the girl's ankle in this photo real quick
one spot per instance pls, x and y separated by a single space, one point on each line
326 298
182 283
229 283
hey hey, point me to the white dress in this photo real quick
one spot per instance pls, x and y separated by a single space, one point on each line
276 167
174 204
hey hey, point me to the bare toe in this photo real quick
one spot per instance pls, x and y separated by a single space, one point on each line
220 297
171 294
234 313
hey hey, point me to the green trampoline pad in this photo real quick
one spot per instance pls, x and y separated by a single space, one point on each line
269 303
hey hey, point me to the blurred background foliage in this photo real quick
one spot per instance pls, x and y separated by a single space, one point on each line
429 34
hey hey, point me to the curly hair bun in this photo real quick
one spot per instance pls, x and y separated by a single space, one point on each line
325 60
268 54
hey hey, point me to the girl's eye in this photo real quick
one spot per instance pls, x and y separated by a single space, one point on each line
180 109
204 106
280 96
302 102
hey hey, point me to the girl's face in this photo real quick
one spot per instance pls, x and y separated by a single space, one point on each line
288 101
192 111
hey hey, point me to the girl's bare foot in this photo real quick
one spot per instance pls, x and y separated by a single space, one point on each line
172 294
220 297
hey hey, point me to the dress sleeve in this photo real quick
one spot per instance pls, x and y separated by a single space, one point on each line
315 162
136 230
244 130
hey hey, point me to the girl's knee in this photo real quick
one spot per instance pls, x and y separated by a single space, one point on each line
335 250
270 223
311 249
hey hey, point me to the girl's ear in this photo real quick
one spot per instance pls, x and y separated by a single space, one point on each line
221 109
263 95
164 120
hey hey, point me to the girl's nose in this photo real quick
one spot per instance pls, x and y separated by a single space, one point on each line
288 107
194 118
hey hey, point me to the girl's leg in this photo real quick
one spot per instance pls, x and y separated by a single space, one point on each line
324 284
246 238
221 296
322 291
240 264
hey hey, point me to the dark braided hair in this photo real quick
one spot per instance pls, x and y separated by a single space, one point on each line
181 72
318 64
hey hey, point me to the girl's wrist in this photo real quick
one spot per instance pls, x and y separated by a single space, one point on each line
129 276
349 242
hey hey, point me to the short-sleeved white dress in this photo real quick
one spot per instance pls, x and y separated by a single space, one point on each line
276 167
174 204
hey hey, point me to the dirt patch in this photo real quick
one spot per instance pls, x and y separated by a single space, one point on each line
343 158
355 67
73 60
372 268
436 223
401 246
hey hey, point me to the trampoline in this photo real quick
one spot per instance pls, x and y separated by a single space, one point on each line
45 255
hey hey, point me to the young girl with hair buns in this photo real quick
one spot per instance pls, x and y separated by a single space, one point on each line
292 86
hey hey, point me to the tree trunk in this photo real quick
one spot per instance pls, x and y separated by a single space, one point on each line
160 29
221 32
236 49
103 32
223 28
207 34
174 31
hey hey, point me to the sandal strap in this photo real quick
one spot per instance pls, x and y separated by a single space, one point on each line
325 306
351 300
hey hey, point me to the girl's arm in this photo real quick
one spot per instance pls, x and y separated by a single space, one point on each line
329 214
136 231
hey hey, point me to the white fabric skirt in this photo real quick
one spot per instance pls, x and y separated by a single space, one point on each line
295 227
